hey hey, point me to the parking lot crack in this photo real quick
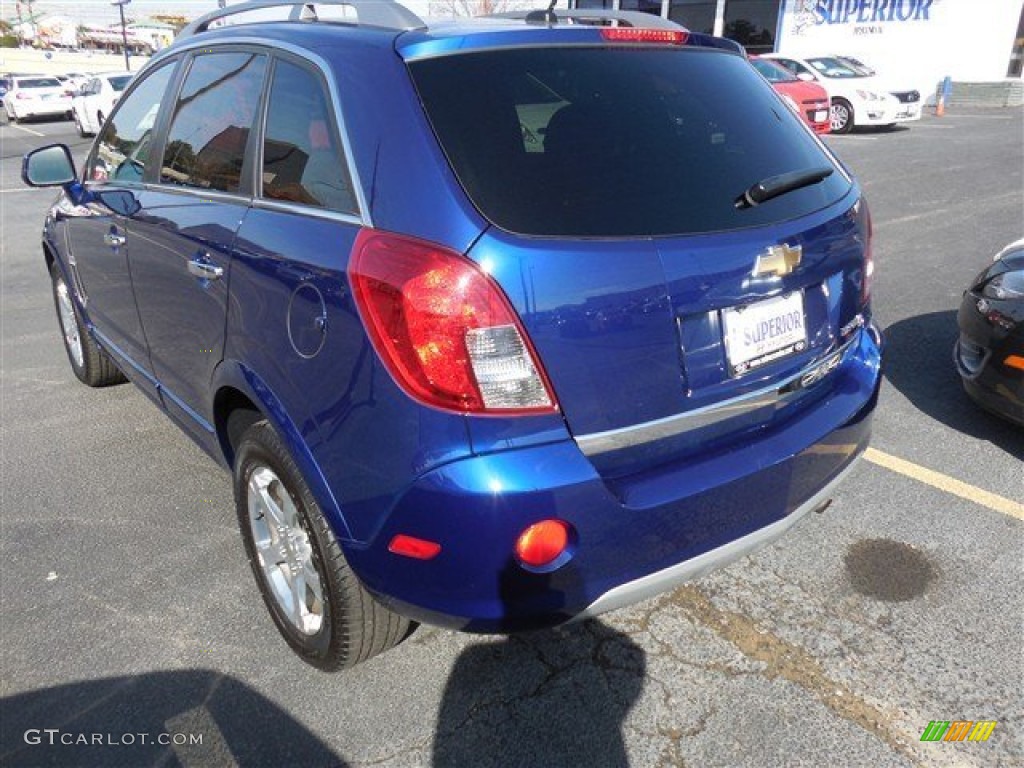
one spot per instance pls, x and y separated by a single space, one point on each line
789 662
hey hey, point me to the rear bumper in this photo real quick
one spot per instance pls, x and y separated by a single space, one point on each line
42 110
688 570
631 538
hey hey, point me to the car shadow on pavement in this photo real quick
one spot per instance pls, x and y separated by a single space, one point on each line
548 698
919 363
120 721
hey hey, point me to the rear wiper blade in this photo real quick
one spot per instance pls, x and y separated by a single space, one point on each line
774 186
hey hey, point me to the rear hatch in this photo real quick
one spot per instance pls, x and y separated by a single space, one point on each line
668 307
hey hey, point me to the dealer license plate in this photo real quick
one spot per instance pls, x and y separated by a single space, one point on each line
763 332
821 116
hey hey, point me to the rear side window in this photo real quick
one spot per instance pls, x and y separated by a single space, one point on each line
212 121
123 148
620 142
120 82
302 158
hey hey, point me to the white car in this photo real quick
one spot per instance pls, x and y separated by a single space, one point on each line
858 99
95 101
36 96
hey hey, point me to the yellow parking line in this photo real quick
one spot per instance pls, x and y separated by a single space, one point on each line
946 483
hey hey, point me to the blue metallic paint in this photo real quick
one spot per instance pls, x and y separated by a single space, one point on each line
477 507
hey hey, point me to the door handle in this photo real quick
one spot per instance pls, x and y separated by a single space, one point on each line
205 270
114 240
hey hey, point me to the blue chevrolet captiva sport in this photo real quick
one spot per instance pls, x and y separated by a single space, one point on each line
498 323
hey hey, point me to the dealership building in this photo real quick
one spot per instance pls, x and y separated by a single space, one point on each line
917 42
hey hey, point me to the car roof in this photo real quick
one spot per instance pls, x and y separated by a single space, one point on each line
393 26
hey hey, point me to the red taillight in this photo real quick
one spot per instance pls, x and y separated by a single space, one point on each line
542 543
22 95
869 256
635 35
410 546
444 329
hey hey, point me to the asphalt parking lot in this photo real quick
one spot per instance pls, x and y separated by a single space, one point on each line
128 610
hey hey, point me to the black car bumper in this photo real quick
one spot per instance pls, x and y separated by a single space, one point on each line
989 354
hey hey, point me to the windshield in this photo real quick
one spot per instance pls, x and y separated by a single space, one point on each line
617 142
832 67
120 82
40 82
859 66
772 72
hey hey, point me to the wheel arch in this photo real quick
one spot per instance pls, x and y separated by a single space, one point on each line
49 256
242 398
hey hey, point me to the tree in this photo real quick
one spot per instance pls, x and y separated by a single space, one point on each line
477 7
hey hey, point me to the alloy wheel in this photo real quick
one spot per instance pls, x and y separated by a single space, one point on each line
69 324
839 116
284 551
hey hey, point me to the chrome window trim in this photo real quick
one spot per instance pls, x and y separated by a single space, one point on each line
597 443
211 194
270 46
306 210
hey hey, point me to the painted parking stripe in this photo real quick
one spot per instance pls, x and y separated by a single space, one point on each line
946 483
27 130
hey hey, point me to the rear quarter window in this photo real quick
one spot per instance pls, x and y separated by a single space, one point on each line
618 142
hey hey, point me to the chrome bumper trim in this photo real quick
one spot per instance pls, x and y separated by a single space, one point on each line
775 396
688 570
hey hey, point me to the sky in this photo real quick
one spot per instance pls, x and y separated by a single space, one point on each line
102 12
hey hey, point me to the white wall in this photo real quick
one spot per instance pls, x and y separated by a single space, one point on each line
917 42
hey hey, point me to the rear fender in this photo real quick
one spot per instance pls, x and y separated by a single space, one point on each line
233 374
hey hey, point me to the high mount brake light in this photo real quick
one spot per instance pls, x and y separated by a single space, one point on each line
444 329
635 35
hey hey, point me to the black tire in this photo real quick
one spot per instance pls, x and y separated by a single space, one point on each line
99 121
841 116
353 626
94 367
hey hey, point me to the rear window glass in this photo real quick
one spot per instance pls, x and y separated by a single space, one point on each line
40 82
599 142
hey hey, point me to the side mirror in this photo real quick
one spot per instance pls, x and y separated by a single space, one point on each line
50 166
807 77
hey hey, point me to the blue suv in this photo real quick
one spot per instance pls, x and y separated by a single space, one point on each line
498 324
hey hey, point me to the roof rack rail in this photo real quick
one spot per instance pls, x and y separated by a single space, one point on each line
624 18
374 13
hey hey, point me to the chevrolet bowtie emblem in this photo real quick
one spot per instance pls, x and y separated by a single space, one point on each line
778 260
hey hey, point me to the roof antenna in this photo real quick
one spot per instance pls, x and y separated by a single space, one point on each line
547 17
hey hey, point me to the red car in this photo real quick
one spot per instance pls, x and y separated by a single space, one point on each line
809 100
